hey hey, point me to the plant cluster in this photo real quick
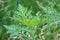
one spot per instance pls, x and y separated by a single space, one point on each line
29 19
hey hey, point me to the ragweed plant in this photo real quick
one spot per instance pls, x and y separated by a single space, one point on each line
25 17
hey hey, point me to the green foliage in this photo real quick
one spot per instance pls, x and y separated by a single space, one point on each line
29 19
25 17
20 31
6 11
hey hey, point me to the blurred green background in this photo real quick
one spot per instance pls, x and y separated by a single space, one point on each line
29 19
